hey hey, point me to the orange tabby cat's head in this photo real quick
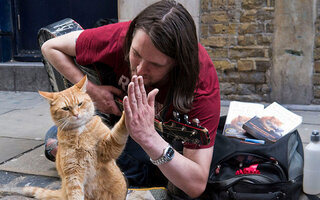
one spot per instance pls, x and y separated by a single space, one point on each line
70 108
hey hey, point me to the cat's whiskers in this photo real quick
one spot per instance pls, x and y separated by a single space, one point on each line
62 120
64 124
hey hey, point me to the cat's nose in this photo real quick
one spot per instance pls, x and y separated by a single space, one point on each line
75 113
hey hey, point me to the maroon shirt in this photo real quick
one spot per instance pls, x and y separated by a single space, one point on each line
105 45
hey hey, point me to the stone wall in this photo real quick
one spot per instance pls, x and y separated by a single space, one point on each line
316 75
263 50
293 50
238 36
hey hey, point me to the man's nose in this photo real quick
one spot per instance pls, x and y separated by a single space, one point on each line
142 67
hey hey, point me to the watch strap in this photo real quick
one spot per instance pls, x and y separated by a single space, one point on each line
167 155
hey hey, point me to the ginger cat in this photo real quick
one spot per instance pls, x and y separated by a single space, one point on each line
237 123
271 123
87 149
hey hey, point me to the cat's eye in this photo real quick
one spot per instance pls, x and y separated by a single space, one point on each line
80 104
65 108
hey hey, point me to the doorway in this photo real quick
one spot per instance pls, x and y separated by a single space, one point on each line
31 15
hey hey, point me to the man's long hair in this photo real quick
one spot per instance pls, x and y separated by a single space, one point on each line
173 32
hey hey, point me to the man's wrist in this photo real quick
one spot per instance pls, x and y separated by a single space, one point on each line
90 88
90 85
167 155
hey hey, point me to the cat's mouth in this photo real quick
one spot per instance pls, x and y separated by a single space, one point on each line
77 119
72 122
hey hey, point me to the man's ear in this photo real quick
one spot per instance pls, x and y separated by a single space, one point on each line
47 95
82 84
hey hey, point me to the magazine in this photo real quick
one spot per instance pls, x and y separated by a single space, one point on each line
272 123
238 114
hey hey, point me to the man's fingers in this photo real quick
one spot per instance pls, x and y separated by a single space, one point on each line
137 91
142 90
115 91
152 97
126 107
132 97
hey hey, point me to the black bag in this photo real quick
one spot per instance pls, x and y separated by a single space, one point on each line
247 171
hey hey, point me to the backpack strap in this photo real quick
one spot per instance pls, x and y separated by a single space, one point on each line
255 196
233 180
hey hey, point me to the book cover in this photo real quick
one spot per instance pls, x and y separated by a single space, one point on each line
238 114
272 123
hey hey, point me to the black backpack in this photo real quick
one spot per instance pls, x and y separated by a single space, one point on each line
248 171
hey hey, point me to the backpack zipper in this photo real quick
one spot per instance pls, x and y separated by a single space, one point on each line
269 160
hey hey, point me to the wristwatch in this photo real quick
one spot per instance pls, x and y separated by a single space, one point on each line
167 155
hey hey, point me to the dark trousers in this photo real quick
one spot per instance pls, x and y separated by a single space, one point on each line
138 169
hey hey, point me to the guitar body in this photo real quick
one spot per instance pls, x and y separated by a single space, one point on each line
57 81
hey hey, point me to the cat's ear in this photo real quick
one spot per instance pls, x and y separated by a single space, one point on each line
82 84
47 95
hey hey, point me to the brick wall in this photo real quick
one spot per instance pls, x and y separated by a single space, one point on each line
238 36
241 38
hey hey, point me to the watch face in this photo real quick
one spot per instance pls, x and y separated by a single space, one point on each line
170 152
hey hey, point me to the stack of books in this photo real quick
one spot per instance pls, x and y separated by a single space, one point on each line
254 123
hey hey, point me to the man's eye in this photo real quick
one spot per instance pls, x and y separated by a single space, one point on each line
156 65
65 108
80 104
136 54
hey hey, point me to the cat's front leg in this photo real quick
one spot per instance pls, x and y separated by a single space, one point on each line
112 145
74 189
74 183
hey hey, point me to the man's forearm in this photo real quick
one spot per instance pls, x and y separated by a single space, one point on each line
66 66
60 52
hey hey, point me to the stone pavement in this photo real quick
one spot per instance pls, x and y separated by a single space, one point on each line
24 120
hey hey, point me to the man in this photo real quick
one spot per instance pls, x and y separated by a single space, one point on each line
160 67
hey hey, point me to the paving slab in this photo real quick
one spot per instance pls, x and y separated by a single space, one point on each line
31 123
11 184
305 131
12 147
19 100
33 162
309 117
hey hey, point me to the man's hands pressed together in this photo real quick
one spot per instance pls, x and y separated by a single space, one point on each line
140 112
